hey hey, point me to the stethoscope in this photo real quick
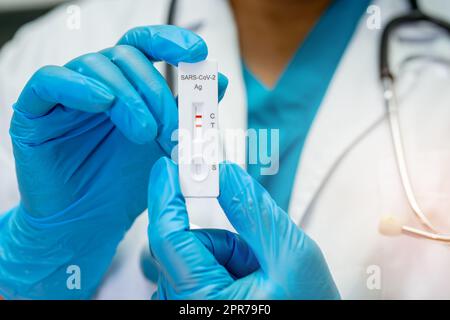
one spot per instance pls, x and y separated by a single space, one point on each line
389 225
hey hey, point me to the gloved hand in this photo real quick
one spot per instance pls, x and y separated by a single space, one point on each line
229 249
274 259
85 137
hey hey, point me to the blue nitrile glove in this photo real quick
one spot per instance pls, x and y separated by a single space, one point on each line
229 249
85 137
291 265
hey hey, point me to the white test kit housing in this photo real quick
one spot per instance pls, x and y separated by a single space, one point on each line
198 132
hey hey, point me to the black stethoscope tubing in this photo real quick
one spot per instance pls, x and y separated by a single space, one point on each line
416 15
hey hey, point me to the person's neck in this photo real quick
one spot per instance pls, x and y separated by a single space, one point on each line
270 32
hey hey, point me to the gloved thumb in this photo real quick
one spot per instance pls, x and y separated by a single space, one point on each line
184 260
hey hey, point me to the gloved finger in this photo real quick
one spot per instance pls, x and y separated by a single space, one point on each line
129 113
155 296
52 85
167 43
256 217
182 258
149 266
166 291
153 88
230 250
161 292
223 84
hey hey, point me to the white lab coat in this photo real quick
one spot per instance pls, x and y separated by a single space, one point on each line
347 177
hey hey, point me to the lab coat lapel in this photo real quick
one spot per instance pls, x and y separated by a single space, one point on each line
214 23
351 108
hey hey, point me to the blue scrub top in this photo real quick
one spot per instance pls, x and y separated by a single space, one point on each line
292 103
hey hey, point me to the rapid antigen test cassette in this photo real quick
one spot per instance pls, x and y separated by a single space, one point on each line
198 132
